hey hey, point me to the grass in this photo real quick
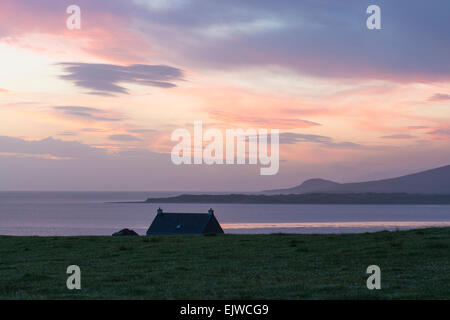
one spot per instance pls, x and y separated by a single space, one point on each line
414 265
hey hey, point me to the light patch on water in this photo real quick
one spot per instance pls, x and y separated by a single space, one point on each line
365 224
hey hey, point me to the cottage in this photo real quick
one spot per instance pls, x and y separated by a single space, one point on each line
184 223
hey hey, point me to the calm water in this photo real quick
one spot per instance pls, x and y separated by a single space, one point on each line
89 213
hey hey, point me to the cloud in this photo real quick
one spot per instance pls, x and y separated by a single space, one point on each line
398 136
293 138
51 164
123 137
67 133
443 133
440 97
92 130
417 127
48 146
319 38
106 28
101 94
88 168
262 122
142 130
21 103
86 113
135 153
106 79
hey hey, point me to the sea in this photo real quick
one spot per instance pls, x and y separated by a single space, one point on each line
98 213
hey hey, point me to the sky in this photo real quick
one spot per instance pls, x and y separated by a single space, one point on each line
94 108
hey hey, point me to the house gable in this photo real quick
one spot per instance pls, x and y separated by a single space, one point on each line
213 226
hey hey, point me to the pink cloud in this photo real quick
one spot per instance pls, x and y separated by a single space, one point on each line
440 97
442 133
417 127
398 136
262 122
104 34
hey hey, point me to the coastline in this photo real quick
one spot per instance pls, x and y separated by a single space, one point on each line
308 198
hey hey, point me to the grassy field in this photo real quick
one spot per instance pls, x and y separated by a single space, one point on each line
414 265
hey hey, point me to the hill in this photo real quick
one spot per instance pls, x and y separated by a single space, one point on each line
434 181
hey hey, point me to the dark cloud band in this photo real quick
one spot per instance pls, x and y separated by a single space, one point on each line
107 79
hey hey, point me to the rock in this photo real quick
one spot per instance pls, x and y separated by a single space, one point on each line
125 232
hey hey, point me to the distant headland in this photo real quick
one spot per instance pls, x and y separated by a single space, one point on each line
310 198
426 187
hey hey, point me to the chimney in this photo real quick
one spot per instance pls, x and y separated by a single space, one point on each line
211 211
159 211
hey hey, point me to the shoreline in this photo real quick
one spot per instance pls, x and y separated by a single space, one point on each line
308 198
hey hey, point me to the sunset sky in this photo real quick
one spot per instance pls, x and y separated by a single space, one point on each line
94 109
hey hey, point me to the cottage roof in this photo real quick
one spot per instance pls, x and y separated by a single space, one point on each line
184 223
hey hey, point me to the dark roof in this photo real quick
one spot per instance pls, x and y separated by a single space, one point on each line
184 223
